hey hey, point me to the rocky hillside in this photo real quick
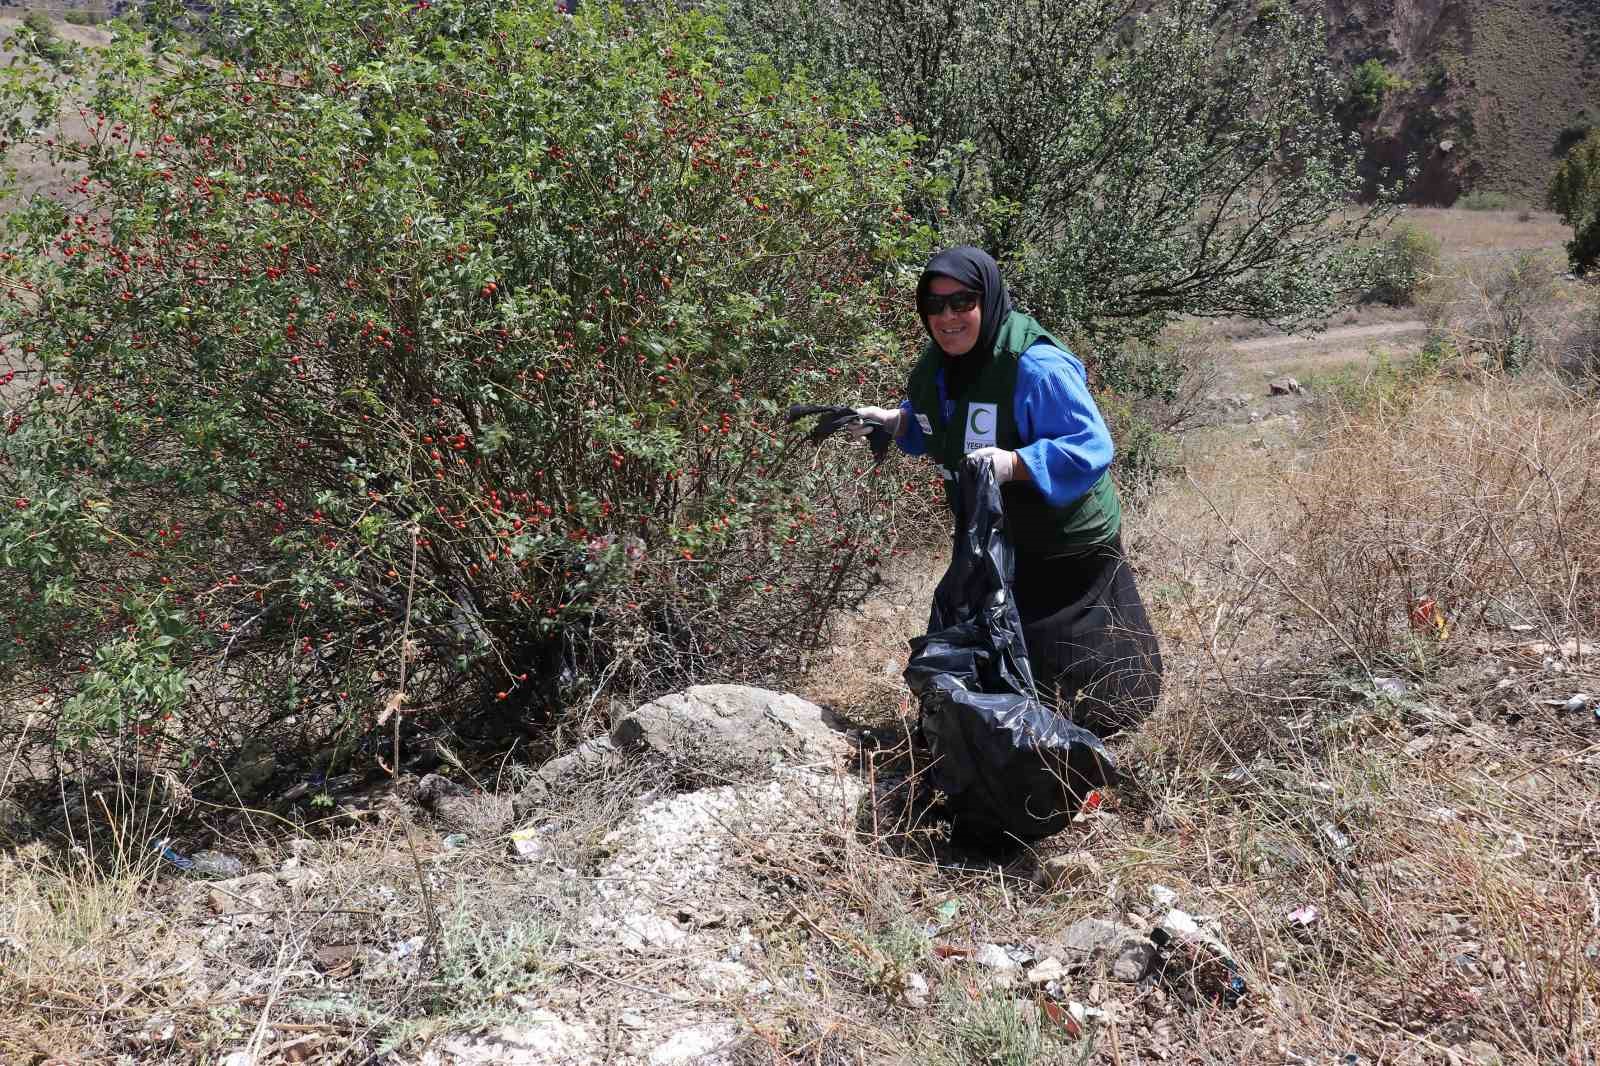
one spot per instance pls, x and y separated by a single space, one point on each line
1484 95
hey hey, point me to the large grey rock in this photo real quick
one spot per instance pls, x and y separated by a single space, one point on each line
723 731
1094 941
731 728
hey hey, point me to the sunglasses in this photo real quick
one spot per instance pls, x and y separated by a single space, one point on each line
959 302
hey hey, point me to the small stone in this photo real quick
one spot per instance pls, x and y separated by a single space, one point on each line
1071 868
692 1045
1091 940
1046 970
248 900
914 993
641 931
1422 745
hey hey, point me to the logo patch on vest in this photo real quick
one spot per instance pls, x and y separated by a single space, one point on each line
982 422
926 423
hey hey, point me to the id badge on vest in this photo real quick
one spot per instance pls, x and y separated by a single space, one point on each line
983 423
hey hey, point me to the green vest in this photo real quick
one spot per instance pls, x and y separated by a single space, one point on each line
985 416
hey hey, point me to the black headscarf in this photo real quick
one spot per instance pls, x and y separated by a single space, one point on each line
977 270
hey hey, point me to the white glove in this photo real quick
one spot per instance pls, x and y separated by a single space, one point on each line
1007 465
888 417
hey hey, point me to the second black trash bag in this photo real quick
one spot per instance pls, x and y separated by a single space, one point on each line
1012 769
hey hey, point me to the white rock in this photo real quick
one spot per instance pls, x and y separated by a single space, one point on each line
544 1040
994 957
915 992
696 1044
1046 970
1071 868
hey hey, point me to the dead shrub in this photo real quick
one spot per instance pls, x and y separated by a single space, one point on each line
1487 505
1503 311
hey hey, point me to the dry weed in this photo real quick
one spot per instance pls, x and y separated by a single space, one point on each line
1472 510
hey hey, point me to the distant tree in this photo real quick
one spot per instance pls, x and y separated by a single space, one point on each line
1575 195
1371 84
1411 261
1125 168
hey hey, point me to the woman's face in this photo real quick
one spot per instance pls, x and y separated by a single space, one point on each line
954 331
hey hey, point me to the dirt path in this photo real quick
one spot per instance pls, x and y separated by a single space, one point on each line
1342 336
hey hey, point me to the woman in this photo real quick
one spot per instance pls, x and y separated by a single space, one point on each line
993 384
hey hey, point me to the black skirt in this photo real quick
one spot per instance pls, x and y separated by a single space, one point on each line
1094 654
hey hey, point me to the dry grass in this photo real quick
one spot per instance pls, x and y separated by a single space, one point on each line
1427 794
1442 823
1486 502
1474 234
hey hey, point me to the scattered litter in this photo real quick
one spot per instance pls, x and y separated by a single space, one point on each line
455 840
1577 702
407 948
1305 916
1074 1017
215 864
1515 845
526 842
1001 958
164 848
322 786
1335 836
1164 896
1427 616
1197 955
1390 686
159 1029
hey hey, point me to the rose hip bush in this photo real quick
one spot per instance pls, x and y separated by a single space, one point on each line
436 348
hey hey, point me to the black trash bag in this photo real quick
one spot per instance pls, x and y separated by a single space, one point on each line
831 420
1012 769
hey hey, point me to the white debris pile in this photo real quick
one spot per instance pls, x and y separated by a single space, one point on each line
667 893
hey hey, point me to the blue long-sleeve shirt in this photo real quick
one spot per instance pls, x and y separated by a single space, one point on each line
1065 442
